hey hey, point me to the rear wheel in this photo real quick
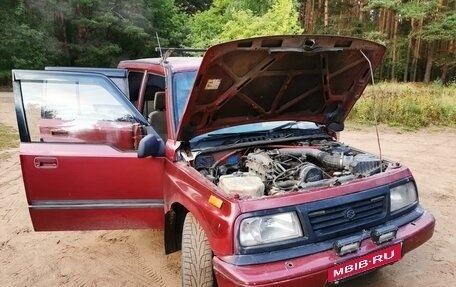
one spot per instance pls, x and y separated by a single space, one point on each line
196 255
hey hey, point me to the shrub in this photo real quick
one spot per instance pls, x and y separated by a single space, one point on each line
407 105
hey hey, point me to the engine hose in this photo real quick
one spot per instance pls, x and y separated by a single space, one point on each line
305 185
338 161
327 182
286 183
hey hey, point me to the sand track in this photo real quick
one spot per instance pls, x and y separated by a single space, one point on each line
136 257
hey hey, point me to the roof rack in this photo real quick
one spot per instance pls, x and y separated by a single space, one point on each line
189 50
169 51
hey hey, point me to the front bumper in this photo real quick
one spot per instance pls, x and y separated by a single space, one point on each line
312 270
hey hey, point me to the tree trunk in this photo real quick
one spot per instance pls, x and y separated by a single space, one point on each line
61 30
389 13
409 49
326 13
340 24
430 59
444 74
451 49
302 13
416 52
309 16
360 10
393 60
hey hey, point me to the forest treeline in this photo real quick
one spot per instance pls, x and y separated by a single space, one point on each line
420 34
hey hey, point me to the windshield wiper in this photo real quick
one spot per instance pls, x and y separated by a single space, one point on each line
222 135
277 128
290 137
284 126
211 137
219 136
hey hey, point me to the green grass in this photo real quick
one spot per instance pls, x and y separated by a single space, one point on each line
8 137
406 105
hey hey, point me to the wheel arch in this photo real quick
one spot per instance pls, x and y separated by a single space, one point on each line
174 222
216 221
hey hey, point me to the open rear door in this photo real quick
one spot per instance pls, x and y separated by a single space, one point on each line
79 135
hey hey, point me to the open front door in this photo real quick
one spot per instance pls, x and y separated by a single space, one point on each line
79 136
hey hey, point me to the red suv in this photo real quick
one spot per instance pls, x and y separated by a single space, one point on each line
234 154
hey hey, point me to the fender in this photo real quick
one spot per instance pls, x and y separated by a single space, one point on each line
186 191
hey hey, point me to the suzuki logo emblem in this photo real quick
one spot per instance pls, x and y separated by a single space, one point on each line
349 213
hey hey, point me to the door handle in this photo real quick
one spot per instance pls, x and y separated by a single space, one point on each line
45 162
62 133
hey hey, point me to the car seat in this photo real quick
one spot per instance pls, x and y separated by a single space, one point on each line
157 118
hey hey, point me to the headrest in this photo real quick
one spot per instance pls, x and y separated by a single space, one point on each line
159 101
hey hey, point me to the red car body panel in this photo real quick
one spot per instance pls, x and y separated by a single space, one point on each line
187 188
96 218
305 78
47 184
82 162
154 65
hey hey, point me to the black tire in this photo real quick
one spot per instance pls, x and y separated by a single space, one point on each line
196 255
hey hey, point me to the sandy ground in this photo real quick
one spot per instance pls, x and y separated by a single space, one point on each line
136 257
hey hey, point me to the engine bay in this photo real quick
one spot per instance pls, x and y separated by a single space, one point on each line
277 169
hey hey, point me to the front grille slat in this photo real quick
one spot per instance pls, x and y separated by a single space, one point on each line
331 223
335 215
336 219
369 207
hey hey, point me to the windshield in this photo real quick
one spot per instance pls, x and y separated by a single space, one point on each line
255 128
182 84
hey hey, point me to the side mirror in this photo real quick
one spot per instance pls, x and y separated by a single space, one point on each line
151 145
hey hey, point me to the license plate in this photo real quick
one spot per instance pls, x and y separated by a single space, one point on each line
365 263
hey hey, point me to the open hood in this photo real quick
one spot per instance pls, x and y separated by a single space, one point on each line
303 77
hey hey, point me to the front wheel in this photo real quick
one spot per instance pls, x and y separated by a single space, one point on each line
196 255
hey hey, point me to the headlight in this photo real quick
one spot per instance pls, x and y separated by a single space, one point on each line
271 228
402 196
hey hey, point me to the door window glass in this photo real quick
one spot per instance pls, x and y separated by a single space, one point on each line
78 110
182 84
